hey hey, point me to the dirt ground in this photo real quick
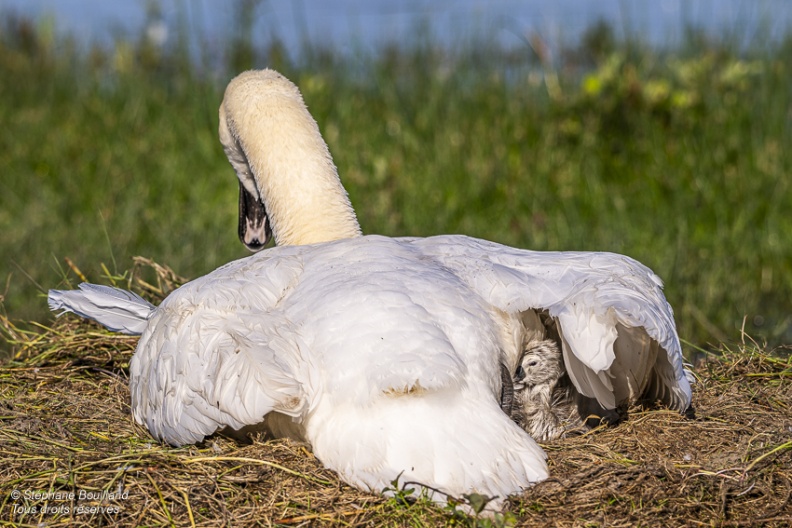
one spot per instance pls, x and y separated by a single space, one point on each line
70 454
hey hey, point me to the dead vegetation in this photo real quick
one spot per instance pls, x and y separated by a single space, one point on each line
70 453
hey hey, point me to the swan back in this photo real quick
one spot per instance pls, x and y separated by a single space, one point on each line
279 156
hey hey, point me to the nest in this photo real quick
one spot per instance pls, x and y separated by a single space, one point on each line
72 455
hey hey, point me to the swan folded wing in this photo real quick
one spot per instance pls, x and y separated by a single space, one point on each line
118 310
617 329
198 372
259 377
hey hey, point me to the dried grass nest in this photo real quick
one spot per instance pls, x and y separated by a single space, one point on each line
70 453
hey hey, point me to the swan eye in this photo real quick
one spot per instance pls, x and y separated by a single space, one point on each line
533 363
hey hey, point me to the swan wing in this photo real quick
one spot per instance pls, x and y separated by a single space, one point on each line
195 375
617 330
218 353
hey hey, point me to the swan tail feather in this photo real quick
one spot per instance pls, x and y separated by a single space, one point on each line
118 310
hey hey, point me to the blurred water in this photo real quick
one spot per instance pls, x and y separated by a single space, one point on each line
364 25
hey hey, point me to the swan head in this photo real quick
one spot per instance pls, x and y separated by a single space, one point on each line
289 187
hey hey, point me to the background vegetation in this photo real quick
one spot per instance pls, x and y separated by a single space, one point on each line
680 158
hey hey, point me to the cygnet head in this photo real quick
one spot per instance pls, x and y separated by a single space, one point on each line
541 363
288 184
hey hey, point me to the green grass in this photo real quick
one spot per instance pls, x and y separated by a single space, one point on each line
679 158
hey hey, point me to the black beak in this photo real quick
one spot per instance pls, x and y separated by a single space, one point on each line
254 228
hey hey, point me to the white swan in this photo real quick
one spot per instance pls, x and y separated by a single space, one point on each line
385 354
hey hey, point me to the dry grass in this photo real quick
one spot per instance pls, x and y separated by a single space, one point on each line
66 427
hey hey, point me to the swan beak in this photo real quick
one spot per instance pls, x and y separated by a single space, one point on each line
254 227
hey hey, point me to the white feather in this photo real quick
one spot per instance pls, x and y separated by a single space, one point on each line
119 310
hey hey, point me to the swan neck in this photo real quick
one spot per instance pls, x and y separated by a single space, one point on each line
284 153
